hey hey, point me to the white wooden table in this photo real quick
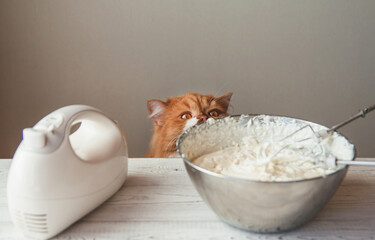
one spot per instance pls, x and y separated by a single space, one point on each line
158 201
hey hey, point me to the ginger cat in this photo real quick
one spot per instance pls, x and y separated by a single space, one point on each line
177 114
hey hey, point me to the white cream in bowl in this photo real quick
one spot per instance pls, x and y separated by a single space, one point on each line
261 154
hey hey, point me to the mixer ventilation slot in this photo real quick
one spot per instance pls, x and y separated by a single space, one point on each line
31 222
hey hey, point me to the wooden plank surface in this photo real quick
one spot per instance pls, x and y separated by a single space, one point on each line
158 201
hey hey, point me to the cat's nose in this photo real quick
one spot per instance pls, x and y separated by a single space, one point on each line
203 118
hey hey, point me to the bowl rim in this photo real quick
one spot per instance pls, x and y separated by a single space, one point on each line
208 172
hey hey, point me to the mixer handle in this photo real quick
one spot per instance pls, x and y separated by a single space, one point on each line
97 138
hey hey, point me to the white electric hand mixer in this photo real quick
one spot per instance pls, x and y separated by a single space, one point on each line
68 164
318 137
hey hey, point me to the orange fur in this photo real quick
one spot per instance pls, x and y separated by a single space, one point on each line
169 123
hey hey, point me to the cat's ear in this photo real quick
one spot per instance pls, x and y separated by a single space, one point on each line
157 108
224 100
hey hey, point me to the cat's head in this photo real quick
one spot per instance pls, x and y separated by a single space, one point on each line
180 113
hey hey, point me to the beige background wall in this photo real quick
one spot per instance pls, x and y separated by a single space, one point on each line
309 59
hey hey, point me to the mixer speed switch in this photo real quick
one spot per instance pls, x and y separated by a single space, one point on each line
33 138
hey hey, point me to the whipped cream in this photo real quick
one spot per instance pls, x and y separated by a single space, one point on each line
258 148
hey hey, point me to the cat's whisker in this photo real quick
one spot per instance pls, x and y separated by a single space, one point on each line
171 142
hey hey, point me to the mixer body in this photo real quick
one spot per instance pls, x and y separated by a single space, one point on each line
57 176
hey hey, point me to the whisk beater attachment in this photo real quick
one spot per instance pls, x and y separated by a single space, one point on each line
291 142
325 132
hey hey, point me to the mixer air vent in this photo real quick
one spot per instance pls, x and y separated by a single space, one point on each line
31 222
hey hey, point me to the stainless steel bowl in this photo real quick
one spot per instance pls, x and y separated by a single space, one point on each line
257 206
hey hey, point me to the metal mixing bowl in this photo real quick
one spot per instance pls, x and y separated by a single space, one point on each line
257 206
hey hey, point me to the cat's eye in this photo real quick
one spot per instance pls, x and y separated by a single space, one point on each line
186 116
214 113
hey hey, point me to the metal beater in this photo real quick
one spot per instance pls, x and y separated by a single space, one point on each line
322 134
